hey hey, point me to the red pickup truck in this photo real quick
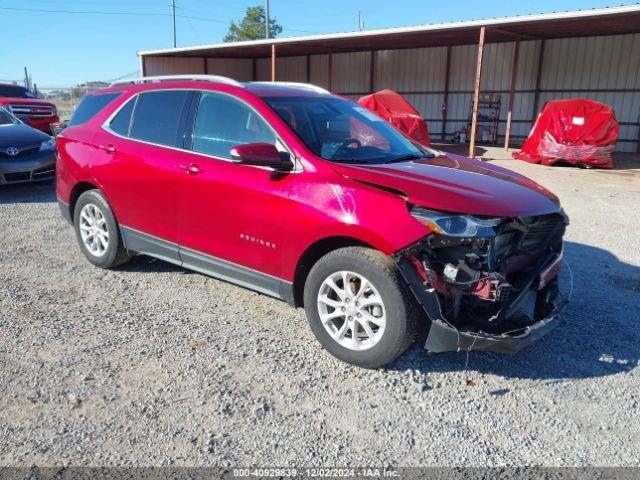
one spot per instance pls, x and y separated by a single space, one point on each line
23 104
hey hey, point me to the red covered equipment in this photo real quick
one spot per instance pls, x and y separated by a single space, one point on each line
576 131
393 108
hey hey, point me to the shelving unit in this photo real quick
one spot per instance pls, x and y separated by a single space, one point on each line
488 115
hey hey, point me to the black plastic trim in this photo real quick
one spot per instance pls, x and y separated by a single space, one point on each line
65 210
139 242
146 244
231 272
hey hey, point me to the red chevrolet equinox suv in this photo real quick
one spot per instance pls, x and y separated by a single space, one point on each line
305 196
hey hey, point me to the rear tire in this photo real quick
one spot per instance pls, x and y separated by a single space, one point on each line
376 307
97 231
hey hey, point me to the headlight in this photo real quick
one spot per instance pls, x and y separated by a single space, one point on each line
48 145
455 225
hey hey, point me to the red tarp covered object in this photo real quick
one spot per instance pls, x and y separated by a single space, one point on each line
390 106
576 131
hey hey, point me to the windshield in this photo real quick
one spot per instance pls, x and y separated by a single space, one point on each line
342 131
6 118
15 91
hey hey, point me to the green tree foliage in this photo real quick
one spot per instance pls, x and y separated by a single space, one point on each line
252 26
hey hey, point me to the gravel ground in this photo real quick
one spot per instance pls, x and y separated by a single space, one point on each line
153 365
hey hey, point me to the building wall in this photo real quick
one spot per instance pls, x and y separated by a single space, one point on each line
596 68
239 68
173 66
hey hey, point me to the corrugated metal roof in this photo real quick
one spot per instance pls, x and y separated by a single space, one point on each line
515 24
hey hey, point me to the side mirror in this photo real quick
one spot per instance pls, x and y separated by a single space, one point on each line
261 154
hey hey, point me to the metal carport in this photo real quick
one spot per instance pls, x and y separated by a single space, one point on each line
440 68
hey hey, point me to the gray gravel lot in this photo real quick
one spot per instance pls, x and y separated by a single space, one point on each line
154 365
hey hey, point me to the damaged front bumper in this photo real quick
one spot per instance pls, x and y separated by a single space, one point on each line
464 315
445 338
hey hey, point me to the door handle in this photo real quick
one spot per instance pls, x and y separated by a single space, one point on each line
107 148
191 169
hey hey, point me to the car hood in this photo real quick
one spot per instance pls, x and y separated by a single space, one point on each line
458 184
19 135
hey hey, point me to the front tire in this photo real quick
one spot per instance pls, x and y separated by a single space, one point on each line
97 231
359 307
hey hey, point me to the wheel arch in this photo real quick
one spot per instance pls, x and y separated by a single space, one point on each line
312 254
77 190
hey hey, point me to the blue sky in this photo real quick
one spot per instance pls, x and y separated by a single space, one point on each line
63 48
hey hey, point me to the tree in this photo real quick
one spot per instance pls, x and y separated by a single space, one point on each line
252 26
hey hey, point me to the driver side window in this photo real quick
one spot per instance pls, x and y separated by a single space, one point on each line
223 122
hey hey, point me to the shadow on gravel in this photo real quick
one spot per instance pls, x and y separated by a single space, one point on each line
599 334
144 264
28 193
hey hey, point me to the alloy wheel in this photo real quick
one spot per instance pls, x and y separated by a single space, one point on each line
93 230
351 310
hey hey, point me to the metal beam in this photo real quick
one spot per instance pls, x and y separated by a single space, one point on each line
445 105
476 95
536 97
330 71
514 79
372 70
273 62
519 36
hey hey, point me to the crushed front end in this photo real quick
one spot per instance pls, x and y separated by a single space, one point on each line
486 283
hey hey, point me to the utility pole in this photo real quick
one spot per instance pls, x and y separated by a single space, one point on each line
173 11
27 83
360 22
266 30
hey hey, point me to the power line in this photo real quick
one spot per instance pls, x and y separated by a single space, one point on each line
133 14
137 72
99 12
84 12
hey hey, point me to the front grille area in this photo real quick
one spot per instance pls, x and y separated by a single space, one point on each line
17 177
32 110
542 232
44 171
529 235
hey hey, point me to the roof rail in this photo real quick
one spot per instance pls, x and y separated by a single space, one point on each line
308 86
170 78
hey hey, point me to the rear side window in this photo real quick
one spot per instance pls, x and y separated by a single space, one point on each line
122 121
90 106
156 116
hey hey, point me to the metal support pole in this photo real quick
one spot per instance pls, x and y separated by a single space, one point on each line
476 96
514 79
330 71
445 104
266 26
308 68
173 12
273 62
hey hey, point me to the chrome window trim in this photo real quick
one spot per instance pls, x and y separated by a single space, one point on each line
297 166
